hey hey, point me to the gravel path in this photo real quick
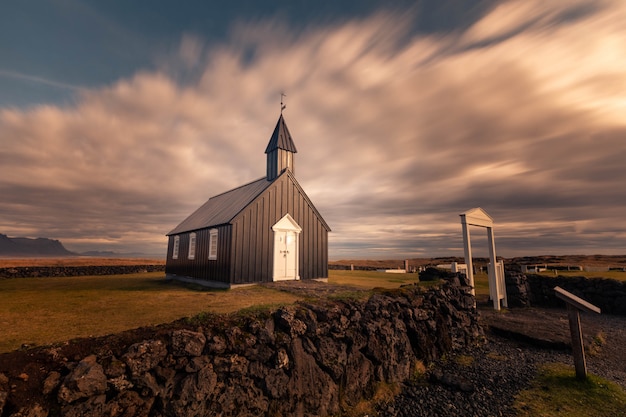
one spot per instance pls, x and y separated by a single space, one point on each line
499 370
486 387
502 367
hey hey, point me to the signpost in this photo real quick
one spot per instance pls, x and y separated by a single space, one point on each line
574 306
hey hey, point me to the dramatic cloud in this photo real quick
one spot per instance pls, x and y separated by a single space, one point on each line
397 134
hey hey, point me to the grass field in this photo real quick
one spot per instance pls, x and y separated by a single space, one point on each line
618 275
76 261
45 310
370 279
38 311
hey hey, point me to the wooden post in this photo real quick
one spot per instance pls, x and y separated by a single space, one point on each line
574 306
494 287
467 249
578 349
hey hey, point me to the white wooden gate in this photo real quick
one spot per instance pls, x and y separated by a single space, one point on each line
497 287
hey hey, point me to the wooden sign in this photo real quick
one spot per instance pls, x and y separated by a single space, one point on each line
574 306
577 302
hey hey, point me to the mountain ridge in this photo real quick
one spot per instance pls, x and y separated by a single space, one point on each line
24 246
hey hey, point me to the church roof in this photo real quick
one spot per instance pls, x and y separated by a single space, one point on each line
281 138
222 208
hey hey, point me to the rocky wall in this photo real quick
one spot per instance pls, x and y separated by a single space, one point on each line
608 294
73 271
312 358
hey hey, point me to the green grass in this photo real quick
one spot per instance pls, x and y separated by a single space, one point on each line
618 275
481 284
557 393
370 279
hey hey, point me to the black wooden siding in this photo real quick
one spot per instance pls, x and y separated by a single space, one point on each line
277 161
253 237
201 267
246 246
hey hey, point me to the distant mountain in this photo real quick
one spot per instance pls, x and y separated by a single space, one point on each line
26 247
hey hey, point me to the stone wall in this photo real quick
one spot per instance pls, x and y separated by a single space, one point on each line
517 289
312 358
608 294
73 271
538 290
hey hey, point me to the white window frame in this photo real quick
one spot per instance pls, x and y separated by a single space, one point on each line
213 244
192 246
176 246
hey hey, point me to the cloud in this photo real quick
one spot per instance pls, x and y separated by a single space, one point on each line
397 133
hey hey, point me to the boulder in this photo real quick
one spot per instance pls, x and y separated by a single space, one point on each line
51 382
187 343
3 400
129 403
517 289
86 380
144 356
32 410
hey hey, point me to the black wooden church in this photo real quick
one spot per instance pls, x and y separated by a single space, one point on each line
267 230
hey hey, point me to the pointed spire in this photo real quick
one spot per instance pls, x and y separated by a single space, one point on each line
280 150
281 138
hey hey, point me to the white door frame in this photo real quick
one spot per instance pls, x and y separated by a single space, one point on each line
497 287
286 226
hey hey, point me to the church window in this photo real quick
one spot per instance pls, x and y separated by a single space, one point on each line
192 246
212 244
175 248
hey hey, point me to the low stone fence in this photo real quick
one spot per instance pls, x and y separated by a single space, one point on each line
538 290
351 267
73 271
308 359
608 294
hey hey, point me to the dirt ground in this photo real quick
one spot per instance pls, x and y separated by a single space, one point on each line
604 335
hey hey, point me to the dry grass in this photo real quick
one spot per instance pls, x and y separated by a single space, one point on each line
370 279
38 311
77 261
45 310
384 393
464 360
617 275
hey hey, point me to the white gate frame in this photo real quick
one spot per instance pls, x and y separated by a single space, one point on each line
497 287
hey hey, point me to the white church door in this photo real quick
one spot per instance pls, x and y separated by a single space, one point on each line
286 248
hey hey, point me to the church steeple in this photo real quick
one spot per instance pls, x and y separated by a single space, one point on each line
280 150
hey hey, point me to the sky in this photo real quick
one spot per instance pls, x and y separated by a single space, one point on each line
118 119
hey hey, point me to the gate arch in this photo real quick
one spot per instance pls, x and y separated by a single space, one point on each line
497 288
